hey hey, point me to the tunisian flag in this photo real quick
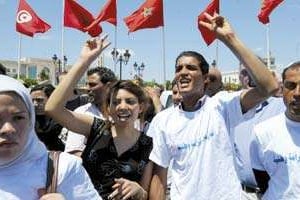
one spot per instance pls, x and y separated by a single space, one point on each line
76 16
27 21
108 14
267 7
208 36
149 15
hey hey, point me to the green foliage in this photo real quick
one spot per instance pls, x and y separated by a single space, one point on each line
150 83
44 74
232 86
28 82
168 85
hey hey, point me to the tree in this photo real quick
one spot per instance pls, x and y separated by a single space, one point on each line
44 74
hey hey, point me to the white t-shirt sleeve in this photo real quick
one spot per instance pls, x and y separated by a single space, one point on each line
256 152
231 109
75 142
73 181
159 154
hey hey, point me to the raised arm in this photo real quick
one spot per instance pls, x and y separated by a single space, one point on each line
266 84
55 107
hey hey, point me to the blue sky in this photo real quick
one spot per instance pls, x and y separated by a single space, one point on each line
181 33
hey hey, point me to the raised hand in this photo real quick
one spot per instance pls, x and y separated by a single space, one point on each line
93 48
219 25
126 189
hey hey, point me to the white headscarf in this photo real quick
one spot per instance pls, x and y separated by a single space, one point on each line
33 149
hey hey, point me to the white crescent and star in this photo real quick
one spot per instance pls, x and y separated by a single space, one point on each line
147 12
23 16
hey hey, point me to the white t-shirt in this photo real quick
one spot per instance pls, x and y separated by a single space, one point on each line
243 132
73 181
199 148
276 150
76 141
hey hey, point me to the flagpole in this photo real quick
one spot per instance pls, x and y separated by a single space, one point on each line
164 47
164 55
62 38
217 53
115 61
19 56
217 42
268 46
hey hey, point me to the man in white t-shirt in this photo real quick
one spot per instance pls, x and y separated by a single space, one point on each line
243 131
193 137
275 149
242 134
99 79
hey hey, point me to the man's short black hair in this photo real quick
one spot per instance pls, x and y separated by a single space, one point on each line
104 73
2 69
204 66
46 88
292 65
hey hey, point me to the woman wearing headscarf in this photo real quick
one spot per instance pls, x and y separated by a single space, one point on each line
23 158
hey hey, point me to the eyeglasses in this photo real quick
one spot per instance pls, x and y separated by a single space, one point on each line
290 85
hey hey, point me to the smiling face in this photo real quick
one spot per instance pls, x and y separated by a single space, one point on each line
291 93
14 126
124 107
190 79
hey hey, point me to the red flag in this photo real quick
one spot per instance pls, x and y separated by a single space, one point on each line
149 15
108 13
27 21
267 7
207 35
75 16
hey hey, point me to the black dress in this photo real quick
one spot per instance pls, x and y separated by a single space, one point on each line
101 160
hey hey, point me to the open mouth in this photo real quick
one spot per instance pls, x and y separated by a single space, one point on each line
123 116
184 83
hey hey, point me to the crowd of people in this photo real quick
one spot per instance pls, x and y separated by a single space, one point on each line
121 142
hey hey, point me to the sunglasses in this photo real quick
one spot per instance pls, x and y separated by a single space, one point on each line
290 85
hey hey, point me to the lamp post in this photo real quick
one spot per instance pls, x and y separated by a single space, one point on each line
59 66
214 64
120 57
139 70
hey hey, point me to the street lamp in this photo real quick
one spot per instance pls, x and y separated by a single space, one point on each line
121 58
59 65
138 70
214 63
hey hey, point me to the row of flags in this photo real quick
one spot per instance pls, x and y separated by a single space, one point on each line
148 15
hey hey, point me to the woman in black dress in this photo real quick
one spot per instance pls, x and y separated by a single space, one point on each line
116 155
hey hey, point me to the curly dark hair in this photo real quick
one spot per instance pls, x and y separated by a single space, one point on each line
46 88
104 73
